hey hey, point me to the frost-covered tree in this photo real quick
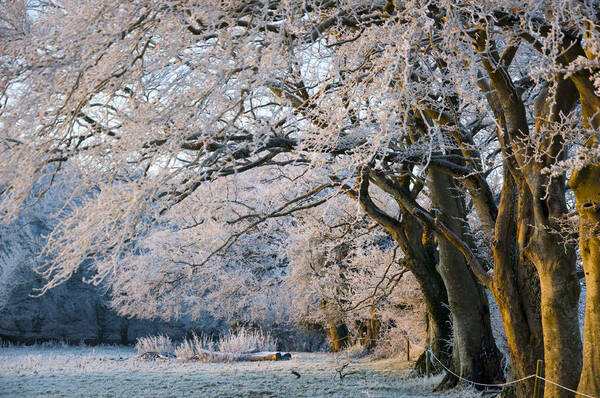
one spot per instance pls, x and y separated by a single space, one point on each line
331 285
152 103
217 251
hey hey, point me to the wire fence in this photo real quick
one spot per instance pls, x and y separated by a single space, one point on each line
510 382
499 385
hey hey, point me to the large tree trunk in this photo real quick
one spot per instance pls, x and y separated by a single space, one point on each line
420 259
554 258
515 285
555 261
419 243
538 242
475 355
437 317
524 346
439 345
585 183
562 348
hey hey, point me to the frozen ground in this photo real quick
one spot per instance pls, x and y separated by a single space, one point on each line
113 372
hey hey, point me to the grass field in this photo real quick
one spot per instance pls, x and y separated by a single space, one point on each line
112 371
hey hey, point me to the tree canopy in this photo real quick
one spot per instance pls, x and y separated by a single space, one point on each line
200 136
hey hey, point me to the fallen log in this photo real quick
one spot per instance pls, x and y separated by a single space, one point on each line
208 355
263 356
152 356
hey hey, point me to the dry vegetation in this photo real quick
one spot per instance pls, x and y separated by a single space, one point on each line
202 348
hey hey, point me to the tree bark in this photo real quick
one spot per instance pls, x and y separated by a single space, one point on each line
475 355
437 311
516 286
437 320
585 182
554 258
560 297
543 246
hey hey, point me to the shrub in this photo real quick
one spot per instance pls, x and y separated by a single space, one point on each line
245 341
198 348
201 348
159 344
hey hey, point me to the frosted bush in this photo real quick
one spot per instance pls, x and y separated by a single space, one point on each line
185 350
244 341
159 344
198 348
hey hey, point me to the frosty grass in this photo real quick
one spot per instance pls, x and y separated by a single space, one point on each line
112 371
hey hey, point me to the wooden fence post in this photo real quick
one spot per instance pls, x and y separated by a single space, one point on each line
427 362
538 374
